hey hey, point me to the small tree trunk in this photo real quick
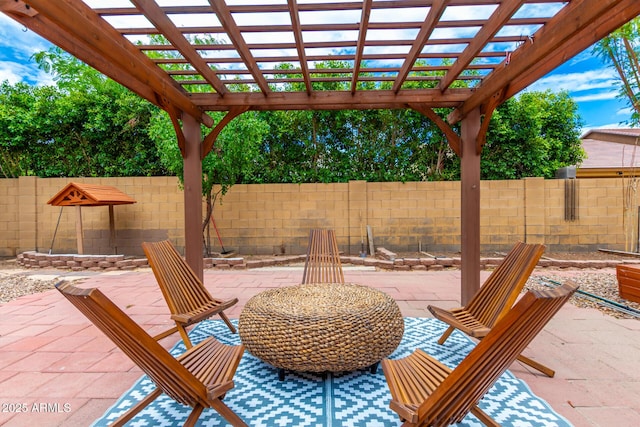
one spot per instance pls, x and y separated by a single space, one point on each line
206 223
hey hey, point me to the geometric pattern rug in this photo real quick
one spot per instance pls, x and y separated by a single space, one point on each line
352 399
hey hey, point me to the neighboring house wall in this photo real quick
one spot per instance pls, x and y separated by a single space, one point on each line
620 136
276 218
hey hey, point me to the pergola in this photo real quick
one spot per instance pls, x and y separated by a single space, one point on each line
377 49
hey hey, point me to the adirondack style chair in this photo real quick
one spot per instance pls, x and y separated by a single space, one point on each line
323 259
187 298
495 297
199 378
427 393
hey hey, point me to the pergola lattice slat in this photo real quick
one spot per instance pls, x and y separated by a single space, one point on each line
366 50
557 40
177 39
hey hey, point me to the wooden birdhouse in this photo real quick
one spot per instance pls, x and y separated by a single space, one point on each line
79 195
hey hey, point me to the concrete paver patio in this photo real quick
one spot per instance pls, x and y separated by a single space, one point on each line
57 369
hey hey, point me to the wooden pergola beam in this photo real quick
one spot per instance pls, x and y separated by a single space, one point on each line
155 15
487 112
602 26
433 17
557 39
299 44
452 138
210 139
43 26
470 207
232 30
497 20
360 43
75 20
325 100
307 7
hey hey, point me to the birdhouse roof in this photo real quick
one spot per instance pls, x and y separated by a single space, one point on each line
76 194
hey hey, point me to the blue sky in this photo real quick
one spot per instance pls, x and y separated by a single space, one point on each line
591 84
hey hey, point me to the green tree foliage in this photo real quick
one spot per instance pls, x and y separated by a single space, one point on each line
337 146
15 112
532 135
232 160
86 125
234 154
621 50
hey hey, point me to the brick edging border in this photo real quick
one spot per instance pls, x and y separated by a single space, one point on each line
74 262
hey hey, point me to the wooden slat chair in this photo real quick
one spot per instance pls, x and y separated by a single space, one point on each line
187 298
427 393
495 297
323 258
199 378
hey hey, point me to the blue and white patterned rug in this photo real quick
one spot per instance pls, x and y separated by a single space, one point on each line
352 399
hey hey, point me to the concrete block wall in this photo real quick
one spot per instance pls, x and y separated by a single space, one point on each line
502 214
275 219
602 206
33 225
414 215
9 217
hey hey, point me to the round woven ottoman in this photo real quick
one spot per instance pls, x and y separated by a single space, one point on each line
329 327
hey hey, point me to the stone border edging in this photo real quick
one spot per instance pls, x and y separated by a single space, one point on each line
74 262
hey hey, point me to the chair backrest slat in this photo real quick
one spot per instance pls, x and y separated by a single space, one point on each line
165 371
181 287
323 258
498 293
492 356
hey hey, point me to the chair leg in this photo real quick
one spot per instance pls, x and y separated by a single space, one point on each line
185 336
193 416
446 335
228 322
166 333
536 365
122 420
483 417
227 413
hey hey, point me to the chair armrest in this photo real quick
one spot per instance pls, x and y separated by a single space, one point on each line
461 320
204 313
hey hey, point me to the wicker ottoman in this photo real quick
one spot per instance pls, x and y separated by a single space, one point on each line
321 327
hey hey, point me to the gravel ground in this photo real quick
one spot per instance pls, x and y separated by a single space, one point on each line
14 286
601 284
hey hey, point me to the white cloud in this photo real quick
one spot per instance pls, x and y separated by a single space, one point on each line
626 112
410 14
15 72
17 45
580 58
454 13
538 10
13 34
11 72
577 82
603 96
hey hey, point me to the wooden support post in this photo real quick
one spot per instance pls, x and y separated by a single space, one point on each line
470 207
193 194
79 230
